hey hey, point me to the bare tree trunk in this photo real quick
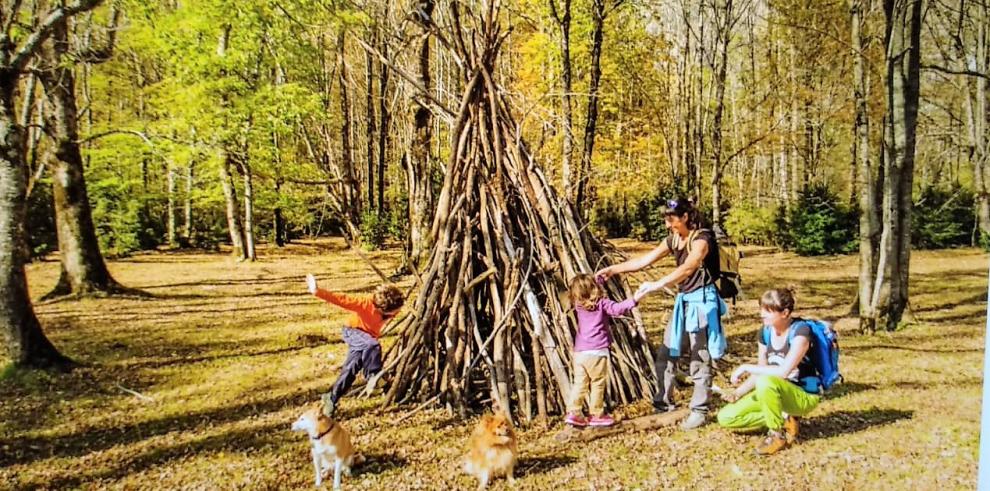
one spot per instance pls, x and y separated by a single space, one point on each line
233 210
352 188
584 170
700 124
371 117
27 112
279 220
226 180
793 158
33 138
83 269
978 124
171 218
187 206
724 33
903 54
249 251
385 120
869 231
27 345
419 168
563 20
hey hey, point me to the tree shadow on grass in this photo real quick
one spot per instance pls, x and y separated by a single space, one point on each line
846 388
846 422
377 463
241 440
154 364
32 448
869 347
540 464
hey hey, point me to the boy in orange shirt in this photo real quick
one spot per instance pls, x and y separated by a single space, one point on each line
361 333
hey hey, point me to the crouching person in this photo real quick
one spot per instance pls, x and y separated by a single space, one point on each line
781 387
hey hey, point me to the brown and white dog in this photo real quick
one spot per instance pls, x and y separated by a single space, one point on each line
331 445
492 450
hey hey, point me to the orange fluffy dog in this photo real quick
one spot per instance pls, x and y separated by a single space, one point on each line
331 445
492 450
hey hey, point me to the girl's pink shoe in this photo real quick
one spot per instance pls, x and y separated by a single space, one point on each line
576 420
603 420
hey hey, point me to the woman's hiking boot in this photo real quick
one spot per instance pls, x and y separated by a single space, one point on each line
694 420
773 443
791 428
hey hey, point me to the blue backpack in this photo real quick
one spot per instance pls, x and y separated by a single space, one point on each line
823 353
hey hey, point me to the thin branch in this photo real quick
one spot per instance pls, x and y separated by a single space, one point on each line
45 29
105 52
448 114
950 71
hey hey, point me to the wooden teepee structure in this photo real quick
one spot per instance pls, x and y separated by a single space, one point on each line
492 320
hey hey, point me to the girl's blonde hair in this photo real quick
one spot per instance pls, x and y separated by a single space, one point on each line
585 292
778 299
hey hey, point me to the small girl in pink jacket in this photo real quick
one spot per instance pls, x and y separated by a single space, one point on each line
591 344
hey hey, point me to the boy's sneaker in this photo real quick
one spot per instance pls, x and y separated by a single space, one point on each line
603 420
791 427
696 419
773 443
329 407
576 420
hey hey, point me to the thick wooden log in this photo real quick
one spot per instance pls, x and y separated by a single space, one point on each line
642 423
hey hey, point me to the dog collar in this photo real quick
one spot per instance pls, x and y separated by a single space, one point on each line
321 435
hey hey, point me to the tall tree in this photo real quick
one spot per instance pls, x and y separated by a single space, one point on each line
869 230
227 162
27 344
386 117
350 186
903 63
600 11
724 22
419 165
370 119
562 17
83 269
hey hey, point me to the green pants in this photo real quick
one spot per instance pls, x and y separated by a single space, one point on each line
764 407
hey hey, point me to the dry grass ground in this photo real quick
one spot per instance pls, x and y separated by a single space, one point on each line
229 353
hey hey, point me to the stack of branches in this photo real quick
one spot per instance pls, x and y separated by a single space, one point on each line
492 321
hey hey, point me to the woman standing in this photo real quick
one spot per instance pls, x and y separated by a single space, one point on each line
695 325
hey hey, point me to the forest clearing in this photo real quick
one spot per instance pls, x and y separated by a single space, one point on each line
227 358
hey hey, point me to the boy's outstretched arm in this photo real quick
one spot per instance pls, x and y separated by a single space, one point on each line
339 299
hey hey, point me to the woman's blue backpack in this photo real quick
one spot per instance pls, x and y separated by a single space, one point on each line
823 353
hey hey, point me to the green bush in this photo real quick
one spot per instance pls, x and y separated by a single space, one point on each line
612 220
647 221
122 218
819 224
942 218
751 224
373 230
42 234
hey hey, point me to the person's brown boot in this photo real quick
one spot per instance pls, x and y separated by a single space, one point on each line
774 442
791 428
